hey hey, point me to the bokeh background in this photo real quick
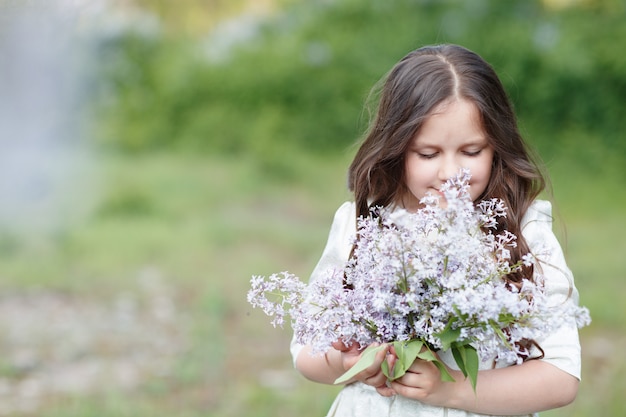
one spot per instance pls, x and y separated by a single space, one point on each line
155 154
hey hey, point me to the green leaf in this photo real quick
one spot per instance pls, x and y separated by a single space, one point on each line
448 336
406 353
385 367
367 359
471 358
466 358
459 358
445 375
428 355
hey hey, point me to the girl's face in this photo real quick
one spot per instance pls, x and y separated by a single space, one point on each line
450 139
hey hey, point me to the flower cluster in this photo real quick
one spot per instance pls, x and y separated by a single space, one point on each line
436 276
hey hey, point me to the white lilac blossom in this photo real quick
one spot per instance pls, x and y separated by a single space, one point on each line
437 277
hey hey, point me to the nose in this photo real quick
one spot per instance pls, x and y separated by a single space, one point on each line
448 168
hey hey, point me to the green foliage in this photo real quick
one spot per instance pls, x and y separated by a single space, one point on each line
302 81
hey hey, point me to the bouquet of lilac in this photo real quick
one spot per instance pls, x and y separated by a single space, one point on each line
433 282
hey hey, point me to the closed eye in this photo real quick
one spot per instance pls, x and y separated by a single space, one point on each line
427 155
472 153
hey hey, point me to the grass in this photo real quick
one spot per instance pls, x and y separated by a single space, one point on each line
207 223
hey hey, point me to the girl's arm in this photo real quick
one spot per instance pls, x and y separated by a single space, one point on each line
336 361
520 389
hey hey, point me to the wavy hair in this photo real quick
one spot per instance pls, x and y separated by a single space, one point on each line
411 91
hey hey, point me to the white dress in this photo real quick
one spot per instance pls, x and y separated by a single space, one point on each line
561 348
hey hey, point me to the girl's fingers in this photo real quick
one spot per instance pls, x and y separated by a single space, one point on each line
391 358
374 375
385 391
421 380
341 346
420 366
338 345
381 355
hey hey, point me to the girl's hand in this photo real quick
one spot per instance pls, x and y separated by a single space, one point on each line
372 375
422 382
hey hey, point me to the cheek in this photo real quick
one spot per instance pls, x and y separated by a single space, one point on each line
481 175
416 173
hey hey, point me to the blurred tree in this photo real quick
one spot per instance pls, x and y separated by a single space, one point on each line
300 77
198 17
608 5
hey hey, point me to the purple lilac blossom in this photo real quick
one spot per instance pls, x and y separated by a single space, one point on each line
442 268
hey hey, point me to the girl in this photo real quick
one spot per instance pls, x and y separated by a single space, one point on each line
443 108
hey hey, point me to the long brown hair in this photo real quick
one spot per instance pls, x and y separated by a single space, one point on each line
413 88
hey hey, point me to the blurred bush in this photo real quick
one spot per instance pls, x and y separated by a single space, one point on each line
299 79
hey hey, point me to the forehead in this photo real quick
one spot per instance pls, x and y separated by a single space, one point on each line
456 119
457 107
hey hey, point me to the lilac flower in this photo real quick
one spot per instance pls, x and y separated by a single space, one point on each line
436 276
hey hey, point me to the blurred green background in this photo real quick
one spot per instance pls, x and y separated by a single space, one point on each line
216 136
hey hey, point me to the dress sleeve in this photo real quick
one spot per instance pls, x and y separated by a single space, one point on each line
562 347
336 252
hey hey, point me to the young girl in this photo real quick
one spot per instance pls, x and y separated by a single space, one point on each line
443 108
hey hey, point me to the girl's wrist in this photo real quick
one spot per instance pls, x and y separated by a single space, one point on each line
456 395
